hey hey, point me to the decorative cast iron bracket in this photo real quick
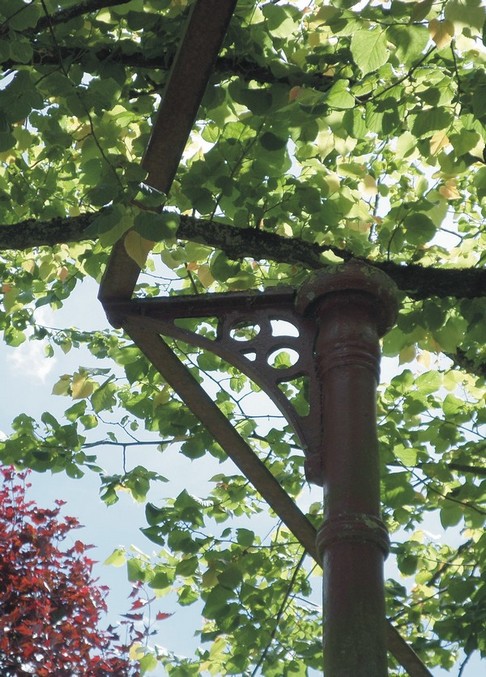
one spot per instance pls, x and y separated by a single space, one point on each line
247 335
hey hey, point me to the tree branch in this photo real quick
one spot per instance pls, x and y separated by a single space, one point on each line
64 15
474 469
225 66
79 9
250 70
418 282
448 563
34 233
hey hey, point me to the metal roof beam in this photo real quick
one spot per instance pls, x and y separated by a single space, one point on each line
193 63
185 89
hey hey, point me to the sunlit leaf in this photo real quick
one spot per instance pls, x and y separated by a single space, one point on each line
369 49
137 247
441 32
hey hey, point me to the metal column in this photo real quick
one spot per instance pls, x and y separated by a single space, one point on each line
352 307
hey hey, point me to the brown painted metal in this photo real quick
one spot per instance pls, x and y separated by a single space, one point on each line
120 276
201 42
353 306
190 73
404 654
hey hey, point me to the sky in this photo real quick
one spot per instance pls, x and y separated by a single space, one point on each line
28 378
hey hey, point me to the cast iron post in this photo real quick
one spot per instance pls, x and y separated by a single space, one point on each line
353 307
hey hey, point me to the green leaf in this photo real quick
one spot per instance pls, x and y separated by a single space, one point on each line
216 601
76 411
452 405
186 567
406 455
185 500
272 142
89 421
195 447
187 595
103 193
419 228
369 49
450 515
245 537
7 141
155 515
223 268
450 336
105 92
410 41
4 125
339 96
259 101
479 182
117 558
466 14
108 219
181 541
231 577
104 397
429 382
431 120
148 662
407 564
135 570
14 337
110 225
160 581
49 420
421 10
154 534
21 50
279 20
62 386
156 227
4 50
26 18
465 141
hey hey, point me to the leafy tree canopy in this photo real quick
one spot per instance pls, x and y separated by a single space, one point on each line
329 130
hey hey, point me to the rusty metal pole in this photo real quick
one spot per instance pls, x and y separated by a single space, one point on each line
353 307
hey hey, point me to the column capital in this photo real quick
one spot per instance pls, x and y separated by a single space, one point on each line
353 276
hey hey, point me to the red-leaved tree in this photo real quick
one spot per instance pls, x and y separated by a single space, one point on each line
50 604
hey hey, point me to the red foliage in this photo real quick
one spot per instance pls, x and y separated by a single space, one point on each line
50 605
